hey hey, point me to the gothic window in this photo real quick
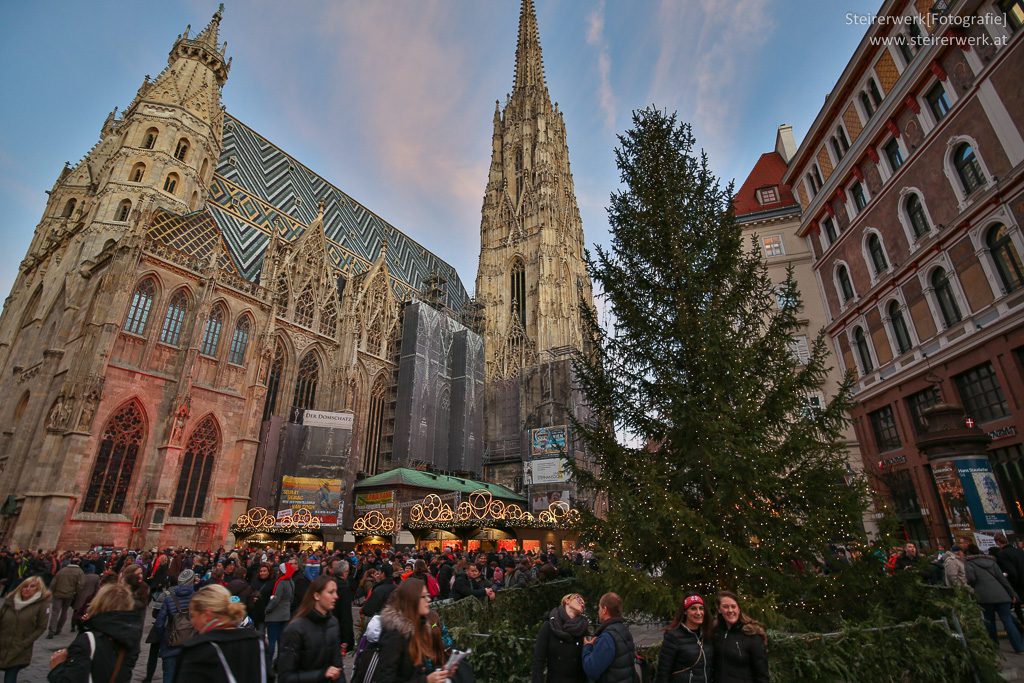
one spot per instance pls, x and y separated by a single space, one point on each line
860 341
1005 257
239 341
171 183
138 173
124 209
29 314
968 168
174 319
281 294
878 260
374 338
899 327
211 332
196 470
517 293
329 320
149 140
69 209
304 307
305 384
115 462
142 303
918 219
274 382
948 308
181 151
374 426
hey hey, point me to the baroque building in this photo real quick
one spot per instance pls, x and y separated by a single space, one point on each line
532 277
912 197
189 292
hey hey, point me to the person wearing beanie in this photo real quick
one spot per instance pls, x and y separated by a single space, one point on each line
173 622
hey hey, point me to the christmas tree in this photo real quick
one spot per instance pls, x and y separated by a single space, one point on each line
717 471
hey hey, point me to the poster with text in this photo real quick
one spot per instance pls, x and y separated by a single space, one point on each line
546 471
548 441
375 500
322 497
951 491
982 493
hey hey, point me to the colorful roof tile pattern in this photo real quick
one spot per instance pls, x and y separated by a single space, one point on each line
193 233
259 188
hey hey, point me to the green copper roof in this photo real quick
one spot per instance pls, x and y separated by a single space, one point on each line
441 482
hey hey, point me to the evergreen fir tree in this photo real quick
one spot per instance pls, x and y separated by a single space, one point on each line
737 481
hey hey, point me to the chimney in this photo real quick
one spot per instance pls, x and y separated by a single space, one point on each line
785 145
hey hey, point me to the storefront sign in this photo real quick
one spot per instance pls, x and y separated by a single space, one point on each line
546 471
321 496
1002 433
320 418
547 441
894 460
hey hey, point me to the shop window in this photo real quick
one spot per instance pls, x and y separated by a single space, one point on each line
981 394
1008 466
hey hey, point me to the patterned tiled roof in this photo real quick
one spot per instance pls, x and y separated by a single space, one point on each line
193 233
258 188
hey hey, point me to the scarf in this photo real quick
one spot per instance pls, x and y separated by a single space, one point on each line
20 603
289 572
566 628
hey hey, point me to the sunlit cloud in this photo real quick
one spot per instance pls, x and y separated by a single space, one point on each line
596 38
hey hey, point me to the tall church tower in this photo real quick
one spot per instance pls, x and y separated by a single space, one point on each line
532 275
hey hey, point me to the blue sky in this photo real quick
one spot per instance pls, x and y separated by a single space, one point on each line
392 100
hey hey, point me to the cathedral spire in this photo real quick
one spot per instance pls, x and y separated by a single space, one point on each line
210 34
529 76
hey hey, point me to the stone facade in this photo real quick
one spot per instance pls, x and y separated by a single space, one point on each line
532 278
181 299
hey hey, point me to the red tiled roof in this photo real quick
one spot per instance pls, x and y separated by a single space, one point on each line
767 172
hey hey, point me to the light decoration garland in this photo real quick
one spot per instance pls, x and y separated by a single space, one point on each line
260 520
374 522
482 509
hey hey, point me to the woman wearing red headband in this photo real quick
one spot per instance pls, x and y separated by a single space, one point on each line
686 652
740 654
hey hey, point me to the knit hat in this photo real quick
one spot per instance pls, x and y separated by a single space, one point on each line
186 577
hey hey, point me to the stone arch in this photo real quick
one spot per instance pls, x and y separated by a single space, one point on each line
120 446
197 465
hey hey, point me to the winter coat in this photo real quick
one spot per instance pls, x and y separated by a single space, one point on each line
1011 561
378 598
115 632
613 640
86 592
19 629
990 586
308 646
685 657
343 613
464 587
558 654
740 655
444 580
396 665
279 607
200 663
520 579
259 598
176 602
67 582
953 570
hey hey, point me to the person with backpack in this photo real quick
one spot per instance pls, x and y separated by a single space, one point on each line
222 651
609 655
174 622
109 646
311 644
558 652
687 651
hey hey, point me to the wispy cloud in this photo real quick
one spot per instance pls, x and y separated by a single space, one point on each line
596 39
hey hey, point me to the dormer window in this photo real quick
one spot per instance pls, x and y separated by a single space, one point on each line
768 195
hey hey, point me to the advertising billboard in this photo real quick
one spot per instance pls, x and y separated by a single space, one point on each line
970 495
548 441
322 418
541 500
546 471
322 497
376 500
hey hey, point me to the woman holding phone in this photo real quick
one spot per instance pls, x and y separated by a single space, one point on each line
410 650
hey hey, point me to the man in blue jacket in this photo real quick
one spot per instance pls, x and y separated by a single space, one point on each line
608 656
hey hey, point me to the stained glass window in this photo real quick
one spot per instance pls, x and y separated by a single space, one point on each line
142 303
115 462
196 470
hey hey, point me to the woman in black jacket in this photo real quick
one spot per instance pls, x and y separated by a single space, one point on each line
686 651
311 644
410 650
740 644
109 646
559 647
221 651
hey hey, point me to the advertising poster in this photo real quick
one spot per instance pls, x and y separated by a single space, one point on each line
546 471
981 491
377 500
541 500
951 491
547 441
322 497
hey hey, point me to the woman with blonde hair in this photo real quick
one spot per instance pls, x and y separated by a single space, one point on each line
22 620
558 652
109 646
221 651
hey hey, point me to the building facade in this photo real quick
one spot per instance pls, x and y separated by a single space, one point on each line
190 290
532 278
912 195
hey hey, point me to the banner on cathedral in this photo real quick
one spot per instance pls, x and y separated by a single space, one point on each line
546 471
547 441
374 500
323 497
322 418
